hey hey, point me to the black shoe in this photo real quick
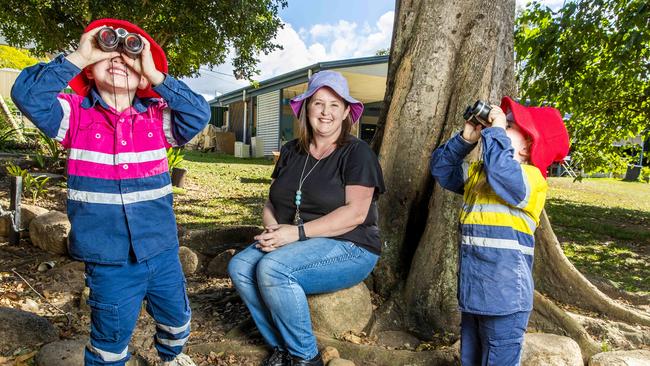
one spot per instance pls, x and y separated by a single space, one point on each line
278 358
316 361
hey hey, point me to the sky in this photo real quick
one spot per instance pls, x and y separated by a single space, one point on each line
316 31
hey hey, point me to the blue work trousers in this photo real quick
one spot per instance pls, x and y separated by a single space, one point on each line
487 340
275 286
116 295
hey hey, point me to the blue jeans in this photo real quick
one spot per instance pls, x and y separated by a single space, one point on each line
116 295
488 340
275 286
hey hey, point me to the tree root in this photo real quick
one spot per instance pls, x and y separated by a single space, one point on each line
359 353
556 277
549 317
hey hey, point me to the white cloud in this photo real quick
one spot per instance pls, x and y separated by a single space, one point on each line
321 42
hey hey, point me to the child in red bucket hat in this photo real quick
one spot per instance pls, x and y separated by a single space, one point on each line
126 112
503 198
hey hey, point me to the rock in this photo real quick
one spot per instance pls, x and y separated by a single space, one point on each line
50 232
621 358
189 260
397 339
28 213
341 311
62 353
21 329
218 266
71 353
542 349
340 362
329 353
211 242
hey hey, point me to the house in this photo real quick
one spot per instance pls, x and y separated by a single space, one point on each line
262 110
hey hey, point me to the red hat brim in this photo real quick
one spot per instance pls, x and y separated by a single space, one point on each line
82 85
546 129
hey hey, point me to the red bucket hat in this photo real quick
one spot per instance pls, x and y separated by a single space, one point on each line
81 84
545 127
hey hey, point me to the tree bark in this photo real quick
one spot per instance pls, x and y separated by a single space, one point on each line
444 56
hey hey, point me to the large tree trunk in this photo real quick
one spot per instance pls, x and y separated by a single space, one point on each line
445 55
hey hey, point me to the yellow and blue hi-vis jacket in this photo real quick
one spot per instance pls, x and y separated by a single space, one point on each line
502 202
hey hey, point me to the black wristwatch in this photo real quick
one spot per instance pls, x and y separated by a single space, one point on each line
301 233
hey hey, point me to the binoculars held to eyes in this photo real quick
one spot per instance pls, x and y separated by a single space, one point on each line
478 114
109 40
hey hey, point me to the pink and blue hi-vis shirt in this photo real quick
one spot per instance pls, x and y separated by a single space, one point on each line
119 187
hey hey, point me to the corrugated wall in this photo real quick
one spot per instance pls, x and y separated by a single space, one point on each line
268 120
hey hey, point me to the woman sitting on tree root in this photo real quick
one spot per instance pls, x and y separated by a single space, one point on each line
320 222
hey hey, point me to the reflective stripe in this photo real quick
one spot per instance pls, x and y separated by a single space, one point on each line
174 330
172 342
524 202
117 198
167 127
495 207
65 120
108 356
116 159
497 243
465 167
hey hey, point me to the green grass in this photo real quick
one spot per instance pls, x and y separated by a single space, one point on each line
604 228
222 190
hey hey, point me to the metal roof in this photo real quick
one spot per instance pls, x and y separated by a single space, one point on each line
294 77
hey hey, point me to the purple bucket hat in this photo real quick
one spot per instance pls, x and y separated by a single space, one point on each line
334 81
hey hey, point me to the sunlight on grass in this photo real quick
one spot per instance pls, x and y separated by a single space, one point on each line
222 190
604 228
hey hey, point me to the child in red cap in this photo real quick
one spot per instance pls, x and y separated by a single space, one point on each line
126 112
503 197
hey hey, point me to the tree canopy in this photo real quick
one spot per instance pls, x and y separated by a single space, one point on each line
591 59
192 32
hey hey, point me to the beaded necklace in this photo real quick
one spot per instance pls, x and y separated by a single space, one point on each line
297 220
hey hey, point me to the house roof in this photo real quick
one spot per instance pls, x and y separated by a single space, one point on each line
366 77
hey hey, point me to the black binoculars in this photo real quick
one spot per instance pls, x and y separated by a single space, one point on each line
478 114
120 40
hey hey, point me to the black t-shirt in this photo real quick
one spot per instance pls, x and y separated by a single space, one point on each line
323 191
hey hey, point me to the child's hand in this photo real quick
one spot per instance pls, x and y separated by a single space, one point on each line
88 53
144 64
472 133
497 118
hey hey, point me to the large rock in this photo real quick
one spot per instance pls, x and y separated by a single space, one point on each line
542 349
71 353
338 312
218 266
621 358
189 260
22 329
50 232
28 213
340 362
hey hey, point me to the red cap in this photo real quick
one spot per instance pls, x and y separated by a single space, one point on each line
81 84
545 127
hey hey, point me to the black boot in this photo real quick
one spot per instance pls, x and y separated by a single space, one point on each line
278 358
316 361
